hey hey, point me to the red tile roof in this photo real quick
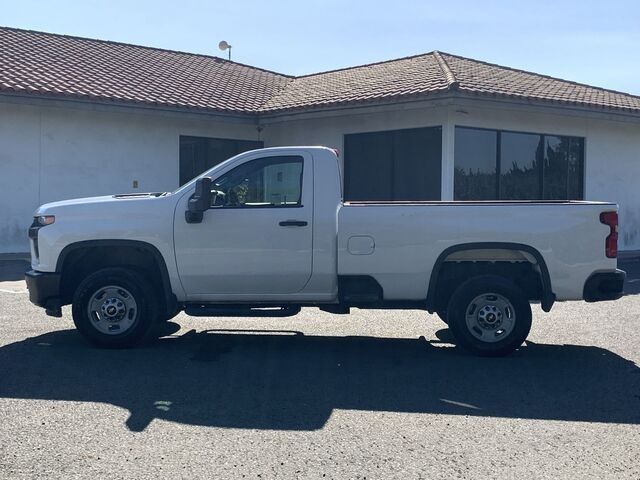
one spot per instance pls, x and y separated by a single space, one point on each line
48 64
412 76
63 66
481 78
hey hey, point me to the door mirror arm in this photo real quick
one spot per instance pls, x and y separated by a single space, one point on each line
200 202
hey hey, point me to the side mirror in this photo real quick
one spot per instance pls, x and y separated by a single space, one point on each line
200 201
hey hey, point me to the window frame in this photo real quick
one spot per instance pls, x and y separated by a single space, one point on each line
300 160
540 172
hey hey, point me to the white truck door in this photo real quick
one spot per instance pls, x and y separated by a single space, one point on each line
256 239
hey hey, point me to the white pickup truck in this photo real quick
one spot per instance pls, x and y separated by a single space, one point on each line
267 232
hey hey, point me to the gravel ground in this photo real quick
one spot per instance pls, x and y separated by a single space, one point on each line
376 394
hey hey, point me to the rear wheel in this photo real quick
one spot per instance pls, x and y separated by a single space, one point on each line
489 316
115 307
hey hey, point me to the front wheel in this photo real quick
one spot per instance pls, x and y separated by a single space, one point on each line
115 307
489 315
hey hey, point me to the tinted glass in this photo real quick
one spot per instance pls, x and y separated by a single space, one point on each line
519 166
417 167
575 169
394 165
368 166
475 164
562 168
266 182
531 166
199 154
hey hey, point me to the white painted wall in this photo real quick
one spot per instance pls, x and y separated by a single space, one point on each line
53 153
613 173
612 146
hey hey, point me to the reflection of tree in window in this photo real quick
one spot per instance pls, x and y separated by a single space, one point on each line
491 164
519 178
562 168
475 164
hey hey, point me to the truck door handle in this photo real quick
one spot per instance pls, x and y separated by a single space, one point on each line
293 223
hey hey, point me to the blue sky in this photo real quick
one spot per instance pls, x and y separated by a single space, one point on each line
589 41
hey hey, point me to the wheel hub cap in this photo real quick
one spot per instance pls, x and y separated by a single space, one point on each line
490 317
112 310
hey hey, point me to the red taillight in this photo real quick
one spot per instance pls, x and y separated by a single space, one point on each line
611 242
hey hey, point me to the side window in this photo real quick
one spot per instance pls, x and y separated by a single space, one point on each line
265 182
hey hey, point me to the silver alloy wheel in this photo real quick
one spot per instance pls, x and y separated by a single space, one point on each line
112 310
490 317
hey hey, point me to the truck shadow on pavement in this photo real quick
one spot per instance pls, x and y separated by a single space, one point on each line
287 380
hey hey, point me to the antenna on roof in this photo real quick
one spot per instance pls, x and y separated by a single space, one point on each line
225 46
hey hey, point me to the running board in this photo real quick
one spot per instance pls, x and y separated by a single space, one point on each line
205 310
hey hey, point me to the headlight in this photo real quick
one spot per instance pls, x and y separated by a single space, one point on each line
45 220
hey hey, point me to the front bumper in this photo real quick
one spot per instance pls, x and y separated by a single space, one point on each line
44 291
604 286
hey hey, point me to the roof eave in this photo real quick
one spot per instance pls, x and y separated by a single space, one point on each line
101 103
564 106
455 93
256 116
350 104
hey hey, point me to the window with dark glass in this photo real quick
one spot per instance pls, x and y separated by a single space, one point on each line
563 167
519 166
501 165
199 154
393 165
475 164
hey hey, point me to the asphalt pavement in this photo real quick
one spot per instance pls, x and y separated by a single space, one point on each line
374 394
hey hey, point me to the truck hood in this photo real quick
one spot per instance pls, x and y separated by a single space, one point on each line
103 202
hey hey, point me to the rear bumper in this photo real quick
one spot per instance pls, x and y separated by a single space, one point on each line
604 286
44 290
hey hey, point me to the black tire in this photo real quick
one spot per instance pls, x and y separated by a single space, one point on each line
480 298
140 318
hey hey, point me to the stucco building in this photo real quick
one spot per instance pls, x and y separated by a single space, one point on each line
82 117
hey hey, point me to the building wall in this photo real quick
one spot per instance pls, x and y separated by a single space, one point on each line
329 130
613 173
612 146
53 153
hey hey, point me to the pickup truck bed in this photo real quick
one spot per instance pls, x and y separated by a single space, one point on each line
403 266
